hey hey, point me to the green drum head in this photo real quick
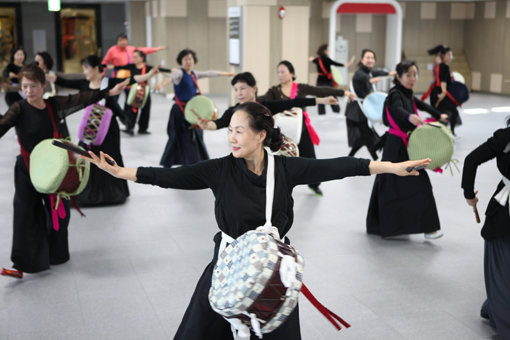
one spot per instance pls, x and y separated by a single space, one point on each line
131 95
432 141
199 106
337 75
47 167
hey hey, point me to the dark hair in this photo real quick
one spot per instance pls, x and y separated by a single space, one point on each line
439 49
244 77
92 61
141 54
33 72
48 60
365 51
322 50
184 53
261 119
403 67
289 66
14 52
122 36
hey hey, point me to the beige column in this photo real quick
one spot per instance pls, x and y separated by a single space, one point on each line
295 39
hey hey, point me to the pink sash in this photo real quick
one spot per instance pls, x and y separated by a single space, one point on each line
311 131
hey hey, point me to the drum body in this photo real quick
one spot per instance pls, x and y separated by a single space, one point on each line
138 95
54 170
337 74
459 91
458 77
94 124
288 149
290 123
257 275
200 106
433 141
373 106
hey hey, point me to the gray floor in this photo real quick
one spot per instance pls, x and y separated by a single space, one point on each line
133 268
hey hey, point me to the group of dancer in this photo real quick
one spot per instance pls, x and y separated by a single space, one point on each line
238 181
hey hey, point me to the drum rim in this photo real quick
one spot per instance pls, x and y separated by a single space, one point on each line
190 117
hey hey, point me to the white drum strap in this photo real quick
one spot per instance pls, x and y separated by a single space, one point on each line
504 193
104 86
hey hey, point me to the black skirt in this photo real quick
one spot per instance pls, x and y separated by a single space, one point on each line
102 188
497 283
35 244
358 132
185 143
200 322
401 205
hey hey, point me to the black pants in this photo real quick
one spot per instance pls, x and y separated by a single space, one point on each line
35 244
322 107
132 114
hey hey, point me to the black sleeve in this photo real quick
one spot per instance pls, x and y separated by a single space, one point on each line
361 84
114 81
427 108
197 176
66 105
123 67
444 73
271 94
397 108
277 106
77 84
300 170
5 72
319 91
485 152
9 119
379 73
166 70
224 120
332 62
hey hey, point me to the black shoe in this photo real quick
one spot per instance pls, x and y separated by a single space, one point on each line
317 191
128 131
144 132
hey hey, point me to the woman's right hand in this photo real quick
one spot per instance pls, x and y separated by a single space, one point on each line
51 77
472 201
415 120
102 164
206 124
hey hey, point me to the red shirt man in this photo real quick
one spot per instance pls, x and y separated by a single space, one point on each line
122 53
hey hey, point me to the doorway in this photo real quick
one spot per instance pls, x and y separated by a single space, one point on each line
10 32
78 32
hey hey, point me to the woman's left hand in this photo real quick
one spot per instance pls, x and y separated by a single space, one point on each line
350 95
327 100
402 168
119 88
443 118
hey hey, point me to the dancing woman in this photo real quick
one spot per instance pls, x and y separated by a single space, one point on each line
288 89
185 143
439 96
403 205
36 244
496 228
12 71
101 189
359 134
238 182
138 66
324 77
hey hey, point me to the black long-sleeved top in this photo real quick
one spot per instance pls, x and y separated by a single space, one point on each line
361 80
275 106
84 85
327 62
240 194
34 125
12 68
444 73
275 92
400 105
497 223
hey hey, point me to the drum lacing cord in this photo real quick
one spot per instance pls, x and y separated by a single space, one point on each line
453 162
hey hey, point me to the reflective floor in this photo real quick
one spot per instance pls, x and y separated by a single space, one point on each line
133 267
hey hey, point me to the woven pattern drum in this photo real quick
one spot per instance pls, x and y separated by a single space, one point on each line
200 106
95 124
373 106
288 148
138 94
247 280
433 141
54 170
